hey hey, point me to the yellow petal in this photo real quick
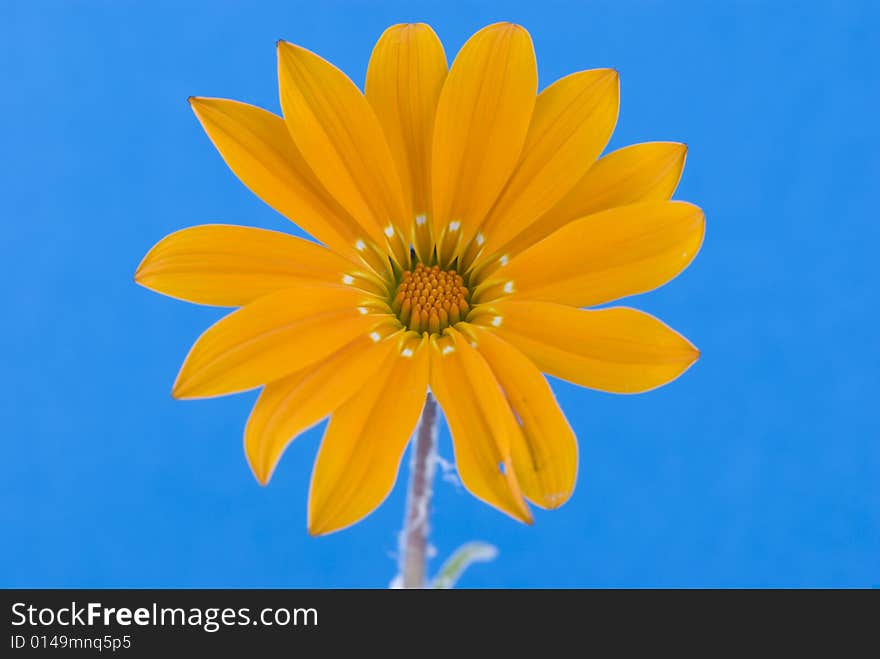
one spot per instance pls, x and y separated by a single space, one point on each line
339 135
258 149
619 350
293 404
480 421
360 454
603 257
404 80
274 336
230 266
637 173
545 453
482 120
573 121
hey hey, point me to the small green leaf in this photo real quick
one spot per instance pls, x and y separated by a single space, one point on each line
463 557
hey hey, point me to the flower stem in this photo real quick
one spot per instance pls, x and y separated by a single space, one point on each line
414 537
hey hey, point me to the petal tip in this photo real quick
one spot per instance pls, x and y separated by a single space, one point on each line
178 392
400 31
285 46
613 76
182 388
685 206
507 26
316 522
144 269
199 104
556 500
691 355
260 475
140 273
678 154
316 530
282 46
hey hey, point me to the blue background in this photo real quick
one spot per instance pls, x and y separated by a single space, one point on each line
759 467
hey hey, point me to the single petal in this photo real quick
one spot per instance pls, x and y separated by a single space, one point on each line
360 454
230 266
294 404
633 174
482 121
603 257
404 79
274 336
619 350
480 421
258 149
545 453
336 130
573 121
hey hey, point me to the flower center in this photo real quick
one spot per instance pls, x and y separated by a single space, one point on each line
429 299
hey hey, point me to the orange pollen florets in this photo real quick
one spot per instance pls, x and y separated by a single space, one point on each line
429 299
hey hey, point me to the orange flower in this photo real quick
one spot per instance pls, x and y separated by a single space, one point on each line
464 220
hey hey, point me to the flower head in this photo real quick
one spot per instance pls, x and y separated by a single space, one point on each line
463 222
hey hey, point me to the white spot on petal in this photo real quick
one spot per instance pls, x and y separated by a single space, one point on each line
389 230
447 349
348 280
406 352
479 239
375 336
360 245
504 260
508 287
421 219
362 311
454 225
496 321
